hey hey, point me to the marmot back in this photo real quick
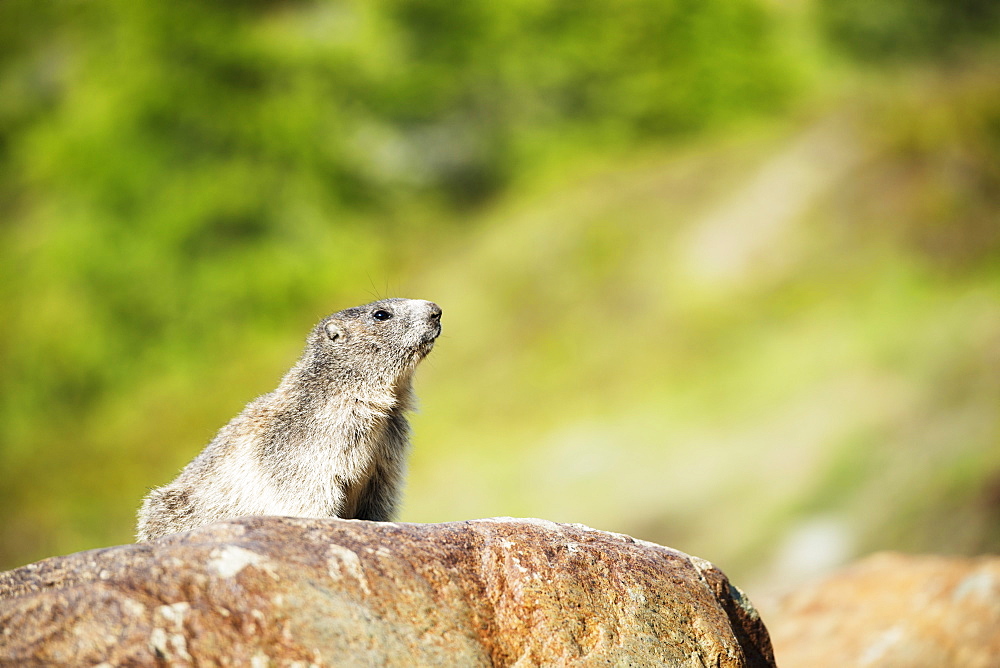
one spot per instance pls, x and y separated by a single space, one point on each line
330 441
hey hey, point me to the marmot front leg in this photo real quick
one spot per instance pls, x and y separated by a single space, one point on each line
380 497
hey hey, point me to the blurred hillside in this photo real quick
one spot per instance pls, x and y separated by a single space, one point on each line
721 275
778 349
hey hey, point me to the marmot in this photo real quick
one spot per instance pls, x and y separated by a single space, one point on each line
330 441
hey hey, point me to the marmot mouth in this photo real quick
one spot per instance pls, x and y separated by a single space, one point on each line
429 337
423 348
426 343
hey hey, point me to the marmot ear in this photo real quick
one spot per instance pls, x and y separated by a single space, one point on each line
334 331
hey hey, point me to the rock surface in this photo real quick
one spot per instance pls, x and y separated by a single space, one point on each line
894 610
280 591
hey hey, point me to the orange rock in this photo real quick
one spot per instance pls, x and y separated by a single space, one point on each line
894 610
272 591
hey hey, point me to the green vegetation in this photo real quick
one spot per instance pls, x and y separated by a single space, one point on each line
710 270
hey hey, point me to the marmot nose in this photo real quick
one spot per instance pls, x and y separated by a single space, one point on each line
435 311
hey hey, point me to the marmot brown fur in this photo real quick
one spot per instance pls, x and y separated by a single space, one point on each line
330 441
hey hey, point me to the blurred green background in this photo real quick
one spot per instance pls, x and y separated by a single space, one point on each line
719 274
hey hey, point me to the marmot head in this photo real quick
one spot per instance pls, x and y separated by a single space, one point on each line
376 345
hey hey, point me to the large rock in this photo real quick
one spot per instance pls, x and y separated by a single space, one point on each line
281 591
894 610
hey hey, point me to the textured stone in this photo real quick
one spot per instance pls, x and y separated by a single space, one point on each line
894 610
281 591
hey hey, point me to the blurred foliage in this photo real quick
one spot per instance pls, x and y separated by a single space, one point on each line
174 171
663 314
164 162
903 29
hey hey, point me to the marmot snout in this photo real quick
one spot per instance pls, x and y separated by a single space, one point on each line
330 441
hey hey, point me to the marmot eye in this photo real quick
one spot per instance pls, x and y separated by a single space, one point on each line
381 316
